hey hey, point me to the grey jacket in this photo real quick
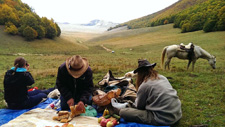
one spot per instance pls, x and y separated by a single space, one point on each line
159 97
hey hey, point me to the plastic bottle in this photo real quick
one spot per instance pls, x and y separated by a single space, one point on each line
57 105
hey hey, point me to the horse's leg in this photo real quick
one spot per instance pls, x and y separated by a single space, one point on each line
167 63
193 64
189 62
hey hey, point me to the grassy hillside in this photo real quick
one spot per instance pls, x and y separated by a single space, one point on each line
16 44
188 15
162 14
201 92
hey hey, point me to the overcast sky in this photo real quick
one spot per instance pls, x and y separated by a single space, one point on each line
83 11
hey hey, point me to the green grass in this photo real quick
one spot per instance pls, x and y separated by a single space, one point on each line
201 92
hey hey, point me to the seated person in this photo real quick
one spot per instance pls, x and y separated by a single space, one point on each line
16 92
74 82
157 102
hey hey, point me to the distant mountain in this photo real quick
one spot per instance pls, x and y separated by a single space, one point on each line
91 27
65 23
92 23
102 23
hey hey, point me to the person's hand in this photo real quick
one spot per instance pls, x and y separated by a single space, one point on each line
70 102
27 66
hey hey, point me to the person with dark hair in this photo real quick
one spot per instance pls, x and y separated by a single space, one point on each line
16 92
75 82
157 102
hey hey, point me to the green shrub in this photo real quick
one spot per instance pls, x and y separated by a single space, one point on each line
221 22
10 28
186 28
209 26
220 25
29 33
58 30
41 31
50 27
20 29
29 20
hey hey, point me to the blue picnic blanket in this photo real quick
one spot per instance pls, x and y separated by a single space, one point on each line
9 114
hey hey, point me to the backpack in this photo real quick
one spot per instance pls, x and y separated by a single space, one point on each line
120 88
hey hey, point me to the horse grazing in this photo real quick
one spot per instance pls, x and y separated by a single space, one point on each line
176 51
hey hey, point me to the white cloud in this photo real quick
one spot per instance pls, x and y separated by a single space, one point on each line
83 11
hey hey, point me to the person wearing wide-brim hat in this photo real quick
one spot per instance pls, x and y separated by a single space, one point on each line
157 102
74 81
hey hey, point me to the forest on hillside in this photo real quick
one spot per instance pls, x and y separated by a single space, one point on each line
20 19
207 15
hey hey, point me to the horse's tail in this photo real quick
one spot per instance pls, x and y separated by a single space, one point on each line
163 56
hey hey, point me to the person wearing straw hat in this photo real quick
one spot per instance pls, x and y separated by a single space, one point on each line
157 102
74 82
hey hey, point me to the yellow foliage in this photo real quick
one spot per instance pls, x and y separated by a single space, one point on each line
12 29
7 14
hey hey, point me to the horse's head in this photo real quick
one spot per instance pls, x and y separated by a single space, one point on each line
212 62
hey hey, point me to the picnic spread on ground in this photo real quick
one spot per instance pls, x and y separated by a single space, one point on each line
80 115
39 116
152 101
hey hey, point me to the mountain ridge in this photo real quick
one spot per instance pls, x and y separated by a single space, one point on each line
98 22
94 26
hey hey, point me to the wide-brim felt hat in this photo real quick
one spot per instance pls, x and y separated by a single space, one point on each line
76 65
144 64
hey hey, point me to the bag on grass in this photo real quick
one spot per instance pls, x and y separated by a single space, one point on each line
109 83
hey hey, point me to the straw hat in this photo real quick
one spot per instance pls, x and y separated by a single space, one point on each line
144 64
76 65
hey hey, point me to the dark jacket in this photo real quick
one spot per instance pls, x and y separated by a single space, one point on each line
78 88
15 86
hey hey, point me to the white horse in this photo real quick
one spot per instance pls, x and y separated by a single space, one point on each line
175 51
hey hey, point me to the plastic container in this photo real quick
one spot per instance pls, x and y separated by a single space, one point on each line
54 105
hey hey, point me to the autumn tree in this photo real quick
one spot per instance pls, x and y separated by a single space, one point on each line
166 21
58 30
51 31
209 25
21 19
29 20
50 28
186 27
10 28
7 15
221 22
29 33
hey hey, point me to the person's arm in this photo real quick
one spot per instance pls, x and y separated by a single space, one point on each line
88 87
29 79
140 101
61 85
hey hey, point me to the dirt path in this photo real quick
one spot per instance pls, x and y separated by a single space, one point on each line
108 50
